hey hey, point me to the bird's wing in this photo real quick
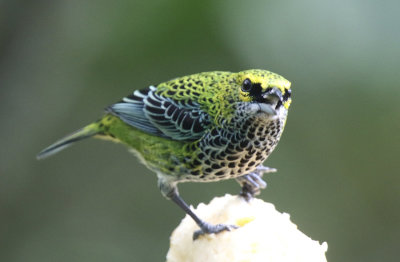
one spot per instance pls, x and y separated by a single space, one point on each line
162 116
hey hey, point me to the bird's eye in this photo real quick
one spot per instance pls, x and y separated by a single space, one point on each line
247 85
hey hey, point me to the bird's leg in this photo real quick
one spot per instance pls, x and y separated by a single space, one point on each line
205 228
169 190
252 183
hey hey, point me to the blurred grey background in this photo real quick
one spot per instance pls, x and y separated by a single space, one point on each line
62 62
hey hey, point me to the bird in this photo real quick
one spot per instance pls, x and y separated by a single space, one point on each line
203 127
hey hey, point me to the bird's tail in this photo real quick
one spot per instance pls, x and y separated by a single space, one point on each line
85 132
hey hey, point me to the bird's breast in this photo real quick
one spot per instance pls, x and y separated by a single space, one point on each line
234 151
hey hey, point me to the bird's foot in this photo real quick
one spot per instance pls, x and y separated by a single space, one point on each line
249 190
207 228
260 170
252 183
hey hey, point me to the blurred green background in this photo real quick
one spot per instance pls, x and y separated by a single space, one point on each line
62 62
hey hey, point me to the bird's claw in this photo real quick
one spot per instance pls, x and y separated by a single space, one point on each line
248 192
252 183
264 170
212 229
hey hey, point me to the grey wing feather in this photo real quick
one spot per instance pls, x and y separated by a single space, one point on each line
161 116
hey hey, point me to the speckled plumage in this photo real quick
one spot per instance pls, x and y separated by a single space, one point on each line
202 127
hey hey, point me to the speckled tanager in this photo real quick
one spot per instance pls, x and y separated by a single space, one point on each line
201 128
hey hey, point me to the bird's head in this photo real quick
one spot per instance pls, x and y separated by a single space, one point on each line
264 91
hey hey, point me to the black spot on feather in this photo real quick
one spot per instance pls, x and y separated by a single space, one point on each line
155 110
197 126
220 173
187 122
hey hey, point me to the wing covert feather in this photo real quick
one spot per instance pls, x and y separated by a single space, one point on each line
156 114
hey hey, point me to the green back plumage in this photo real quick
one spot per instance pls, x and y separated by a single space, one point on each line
213 92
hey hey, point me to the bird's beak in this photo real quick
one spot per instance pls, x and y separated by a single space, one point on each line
267 108
272 96
272 100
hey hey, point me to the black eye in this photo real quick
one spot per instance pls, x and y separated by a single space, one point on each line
247 85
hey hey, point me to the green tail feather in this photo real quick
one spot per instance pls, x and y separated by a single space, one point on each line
86 132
